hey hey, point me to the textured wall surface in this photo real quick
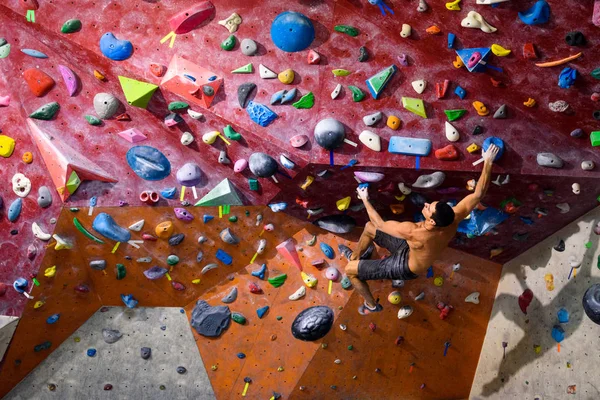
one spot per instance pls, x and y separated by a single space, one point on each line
523 373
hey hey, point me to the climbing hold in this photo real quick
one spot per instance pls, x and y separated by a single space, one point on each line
499 50
240 165
260 273
7 146
262 165
44 199
189 175
229 43
393 122
336 91
451 132
298 293
111 336
292 31
105 225
475 20
210 321
46 112
313 323
453 5
357 94
138 93
244 91
177 105
441 88
286 162
472 298
266 73
38 81
567 77
92 120
448 153
371 140
286 76
148 163
327 250
575 38
244 69
105 105
71 26
530 102
132 135
157 70
52 319
422 7
481 109
176 239
164 229
231 296
231 134
433 30
338 223
560 246
172 259
538 14
34 53
155 272
70 79
186 138
419 85
395 297
188 19
347 29
406 31
332 274
27 157
405 312
549 160
260 114
501 112
129 301
306 101
308 279
228 237
365 176
363 54
231 23
114 48
238 317
145 352
591 303
416 106
529 51
429 181
298 140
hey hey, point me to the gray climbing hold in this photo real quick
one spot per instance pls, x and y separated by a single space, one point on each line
339 223
228 237
262 165
430 181
363 54
313 323
155 272
244 91
181 370
98 265
208 91
176 239
200 256
106 105
189 175
231 296
208 267
248 47
577 132
330 133
501 112
210 321
549 160
111 335
145 352
223 159
44 197
372 119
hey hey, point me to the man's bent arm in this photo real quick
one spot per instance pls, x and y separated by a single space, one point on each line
373 214
469 203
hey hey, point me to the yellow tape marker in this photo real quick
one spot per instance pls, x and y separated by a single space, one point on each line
245 389
225 140
253 258
168 276
220 211
182 194
116 247
171 35
330 286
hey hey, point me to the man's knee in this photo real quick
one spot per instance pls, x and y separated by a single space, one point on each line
370 228
351 269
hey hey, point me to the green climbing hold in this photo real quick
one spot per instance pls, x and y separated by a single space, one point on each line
357 94
238 317
278 280
340 72
379 81
595 138
228 43
279 318
598 265
137 93
350 347
596 73
246 69
323 345
178 105
247 212
231 134
172 259
121 271
347 29
93 120
253 184
46 112
306 101
233 218
415 106
588 245
71 26
454 114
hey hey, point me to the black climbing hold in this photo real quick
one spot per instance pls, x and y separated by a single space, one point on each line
478 130
597 115
363 55
591 303
244 91
262 165
181 370
575 38
312 323
176 239
560 246
417 199
14 232
208 90
145 352
339 223
211 321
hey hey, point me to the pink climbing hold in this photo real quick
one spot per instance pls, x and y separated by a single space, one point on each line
189 19
69 78
4 101
132 135
596 14
525 299
288 250
240 165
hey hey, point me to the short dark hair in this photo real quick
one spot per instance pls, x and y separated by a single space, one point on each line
443 215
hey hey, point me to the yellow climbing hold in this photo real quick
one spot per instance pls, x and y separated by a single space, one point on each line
309 280
50 272
395 297
537 348
529 103
164 230
481 109
401 197
210 137
343 204
286 76
309 180
99 75
196 281
453 6
458 63
495 252
39 303
438 281
341 72
473 147
7 146
499 50
549 278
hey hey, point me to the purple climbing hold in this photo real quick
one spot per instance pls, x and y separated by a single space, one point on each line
155 272
189 175
210 321
183 214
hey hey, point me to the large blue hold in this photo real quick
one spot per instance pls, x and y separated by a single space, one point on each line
495 141
538 14
327 250
222 256
105 225
260 113
567 77
114 48
15 209
292 31
148 163
129 300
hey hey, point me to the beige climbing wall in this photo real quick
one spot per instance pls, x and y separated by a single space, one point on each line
523 373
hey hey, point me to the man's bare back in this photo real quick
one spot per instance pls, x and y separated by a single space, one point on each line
426 246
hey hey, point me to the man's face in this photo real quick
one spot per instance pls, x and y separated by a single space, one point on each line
429 210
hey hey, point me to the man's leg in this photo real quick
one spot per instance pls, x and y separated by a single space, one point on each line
361 286
366 238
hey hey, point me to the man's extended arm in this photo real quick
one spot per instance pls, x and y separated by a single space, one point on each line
374 216
394 228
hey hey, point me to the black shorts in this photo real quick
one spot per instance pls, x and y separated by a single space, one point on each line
393 267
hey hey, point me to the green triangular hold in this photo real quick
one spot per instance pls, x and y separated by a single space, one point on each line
46 112
73 182
306 101
357 94
137 93
222 194
454 114
93 120
415 106
246 69
379 81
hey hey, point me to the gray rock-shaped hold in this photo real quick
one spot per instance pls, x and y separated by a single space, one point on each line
208 90
228 237
313 323
577 132
105 105
210 321
145 352
44 199
262 165
339 223
200 256
181 370
244 91
591 303
330 133
248 47
176 239
223 159
98 265
189 175
430 181
549 160
111 335
231 296
372 119
501 112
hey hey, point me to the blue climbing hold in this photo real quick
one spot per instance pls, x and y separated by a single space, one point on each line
327 250
558 333
460 92
538 14
129 300
567 77
241 356
262 311
260 273
206 218
527 220
260 113
276 207
563 316
495 141
53 318
93 201
277 96
212 78
191 78
114 48
288 96
168 193
148 163
34 53
91 352
430 272
20 285
105 225
223 257
292 31
15 209
451 38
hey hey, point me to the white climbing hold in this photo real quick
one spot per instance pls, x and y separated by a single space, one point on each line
208 268
137 226
419 85
371 140
404 312
262 244
194 114
286 162
456 267
405 190
574 262
232 22
451 132
473 298
372 119
563 207
39 233
265 72
187 138
21 185
587 165
476 20
336 92
576 188
406 31
298 293
422 6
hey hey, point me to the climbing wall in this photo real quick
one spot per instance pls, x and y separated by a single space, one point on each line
534 365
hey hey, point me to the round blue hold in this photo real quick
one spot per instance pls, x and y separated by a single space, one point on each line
292 31
114 48
496 141
21 285
241 356
148 163
91 352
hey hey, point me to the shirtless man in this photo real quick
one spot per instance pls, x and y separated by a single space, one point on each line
413 246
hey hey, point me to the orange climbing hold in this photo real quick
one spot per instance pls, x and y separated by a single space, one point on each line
481 109
529 103
496 252
27 157
433 30
164 230
99 75
458 63
397 208
448 153
394 122
157 69
38 81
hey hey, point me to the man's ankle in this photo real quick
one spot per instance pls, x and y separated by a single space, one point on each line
370 306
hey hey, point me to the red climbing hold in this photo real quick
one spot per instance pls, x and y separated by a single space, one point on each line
441 88
189 19
302 203
447 153
38 81
595 96
177 285
372 326
496 82
30 4
529 51
147 236
157 69
254 288
399 340
123 117
444 309
82 288
313 57
525 299
108 386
